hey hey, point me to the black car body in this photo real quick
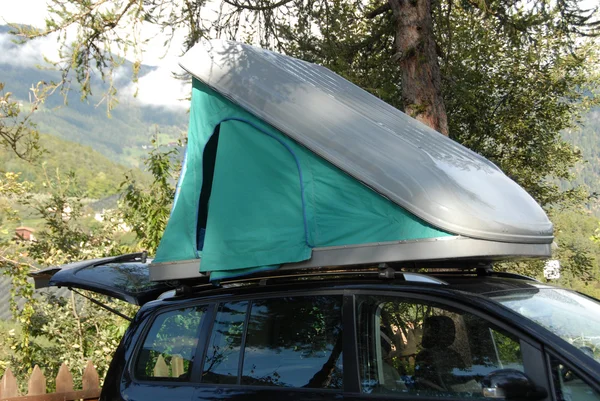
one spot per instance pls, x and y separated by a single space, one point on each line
368 333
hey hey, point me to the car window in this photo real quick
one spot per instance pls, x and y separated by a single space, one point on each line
568 386
414 347
572 316
221 363
294 342
170 345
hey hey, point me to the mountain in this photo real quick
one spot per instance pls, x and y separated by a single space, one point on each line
122 137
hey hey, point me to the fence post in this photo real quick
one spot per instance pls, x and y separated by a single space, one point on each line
90 380
64 379
160 368
37 382
8 385
177 366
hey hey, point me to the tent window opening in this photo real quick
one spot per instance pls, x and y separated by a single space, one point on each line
208 169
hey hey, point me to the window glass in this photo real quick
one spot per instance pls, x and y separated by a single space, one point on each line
427 349
572 316
295 342
569 387
170 346
223 353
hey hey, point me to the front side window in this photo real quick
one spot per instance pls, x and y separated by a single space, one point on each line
568 386
170 345
422 348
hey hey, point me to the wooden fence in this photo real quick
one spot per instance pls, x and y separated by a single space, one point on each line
36 387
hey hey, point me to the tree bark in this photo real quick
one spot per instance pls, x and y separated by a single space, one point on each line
417 57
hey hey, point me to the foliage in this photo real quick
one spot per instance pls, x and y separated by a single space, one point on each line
75 331
63 238
11 189
55 329
17 131
511 104
146 208
13 259
578 253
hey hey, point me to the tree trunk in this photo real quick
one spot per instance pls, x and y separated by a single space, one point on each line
417 57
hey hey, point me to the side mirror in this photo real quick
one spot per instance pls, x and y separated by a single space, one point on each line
511 384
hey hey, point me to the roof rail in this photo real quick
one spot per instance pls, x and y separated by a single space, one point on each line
382 272
514 275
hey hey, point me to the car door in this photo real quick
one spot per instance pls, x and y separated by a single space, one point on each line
411 347
287 347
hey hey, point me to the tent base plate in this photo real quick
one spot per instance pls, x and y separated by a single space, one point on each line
430 250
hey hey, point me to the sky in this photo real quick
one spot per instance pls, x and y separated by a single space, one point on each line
158 88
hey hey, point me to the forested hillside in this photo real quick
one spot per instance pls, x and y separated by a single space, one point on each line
587 140
121 138
97 176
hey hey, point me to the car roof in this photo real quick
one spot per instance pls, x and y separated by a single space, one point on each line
494 283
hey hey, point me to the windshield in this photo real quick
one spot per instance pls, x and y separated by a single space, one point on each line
573 317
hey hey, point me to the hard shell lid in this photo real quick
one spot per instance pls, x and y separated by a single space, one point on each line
428 174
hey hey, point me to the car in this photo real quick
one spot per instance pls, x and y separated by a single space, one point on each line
389 331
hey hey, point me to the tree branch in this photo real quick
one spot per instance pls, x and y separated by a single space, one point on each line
257 8
379 10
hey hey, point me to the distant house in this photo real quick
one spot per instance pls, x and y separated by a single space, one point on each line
25 233
66 212
122 226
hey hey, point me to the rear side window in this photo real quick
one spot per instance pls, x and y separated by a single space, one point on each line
288 342
170 345
295 342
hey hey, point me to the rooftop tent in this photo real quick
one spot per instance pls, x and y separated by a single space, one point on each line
290 164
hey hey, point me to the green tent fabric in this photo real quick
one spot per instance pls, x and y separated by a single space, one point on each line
251 199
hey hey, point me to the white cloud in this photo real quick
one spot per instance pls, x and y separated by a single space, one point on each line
30 54
30 12
159 88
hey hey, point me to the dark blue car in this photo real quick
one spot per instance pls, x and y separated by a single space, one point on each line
382 332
